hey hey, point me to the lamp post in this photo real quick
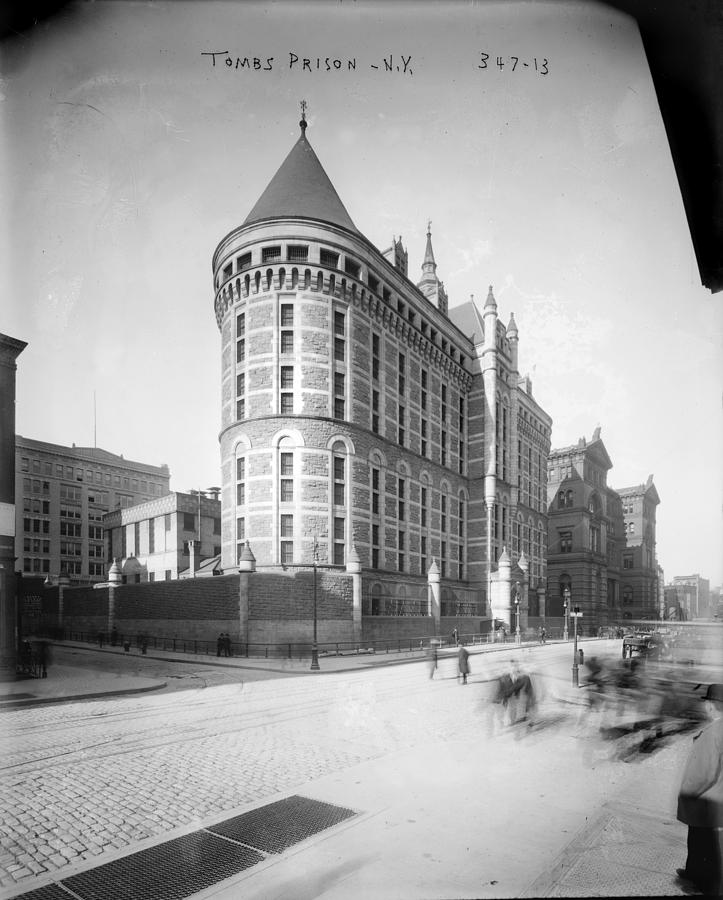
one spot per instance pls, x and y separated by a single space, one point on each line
575 683
566 607
314 647
518 637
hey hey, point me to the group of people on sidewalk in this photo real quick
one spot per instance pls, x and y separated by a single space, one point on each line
223 644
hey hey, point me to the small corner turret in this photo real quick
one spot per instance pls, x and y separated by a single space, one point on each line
397 255
430 285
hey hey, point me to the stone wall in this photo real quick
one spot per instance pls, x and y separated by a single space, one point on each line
392 628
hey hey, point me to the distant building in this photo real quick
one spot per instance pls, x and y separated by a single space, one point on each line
63 494
163 539
639 574
692 594
601 542
365 420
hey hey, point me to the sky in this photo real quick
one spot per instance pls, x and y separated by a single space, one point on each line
131 148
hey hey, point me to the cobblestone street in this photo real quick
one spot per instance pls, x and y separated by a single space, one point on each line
83 781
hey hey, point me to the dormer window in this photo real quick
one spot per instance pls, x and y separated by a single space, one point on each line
351 268
297 252
243 261
328 258
268 254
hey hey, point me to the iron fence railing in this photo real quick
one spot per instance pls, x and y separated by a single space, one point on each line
290 650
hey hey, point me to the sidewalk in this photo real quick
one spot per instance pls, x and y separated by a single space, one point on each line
423 830
66 683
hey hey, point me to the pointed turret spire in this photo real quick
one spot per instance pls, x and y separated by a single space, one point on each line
430 285
490 301
429 265
301 189
512 327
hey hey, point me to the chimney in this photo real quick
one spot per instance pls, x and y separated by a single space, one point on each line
194 557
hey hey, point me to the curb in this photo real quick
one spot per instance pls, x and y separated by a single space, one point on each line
7 703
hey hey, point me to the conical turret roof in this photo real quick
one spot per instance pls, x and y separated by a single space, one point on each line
301 189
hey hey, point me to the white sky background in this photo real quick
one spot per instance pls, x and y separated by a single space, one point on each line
128 156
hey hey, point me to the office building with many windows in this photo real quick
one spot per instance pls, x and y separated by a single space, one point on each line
62 495
362 418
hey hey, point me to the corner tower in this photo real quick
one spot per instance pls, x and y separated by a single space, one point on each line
359 415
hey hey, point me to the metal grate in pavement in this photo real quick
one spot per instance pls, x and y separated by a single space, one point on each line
186 865
280 825
170 871
594 875
46 892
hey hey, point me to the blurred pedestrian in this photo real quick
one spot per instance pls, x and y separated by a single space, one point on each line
432 657
524 692
227 644
700 801
101 638
504 691
463 663
543 635
114 637
43 655
455 637
219 644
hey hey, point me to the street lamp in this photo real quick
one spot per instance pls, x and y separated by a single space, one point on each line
576 615
518 637
314 647
566 607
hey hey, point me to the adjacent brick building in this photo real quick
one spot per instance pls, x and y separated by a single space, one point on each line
361 415
601 541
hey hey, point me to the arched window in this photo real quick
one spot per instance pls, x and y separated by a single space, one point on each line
561 500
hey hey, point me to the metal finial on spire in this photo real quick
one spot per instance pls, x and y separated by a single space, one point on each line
302 123
429 226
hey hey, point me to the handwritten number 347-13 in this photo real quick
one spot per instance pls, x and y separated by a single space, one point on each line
513 62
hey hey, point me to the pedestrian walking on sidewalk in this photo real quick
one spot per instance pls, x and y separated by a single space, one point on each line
219 644
432 657
700 801
463 663
101 638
